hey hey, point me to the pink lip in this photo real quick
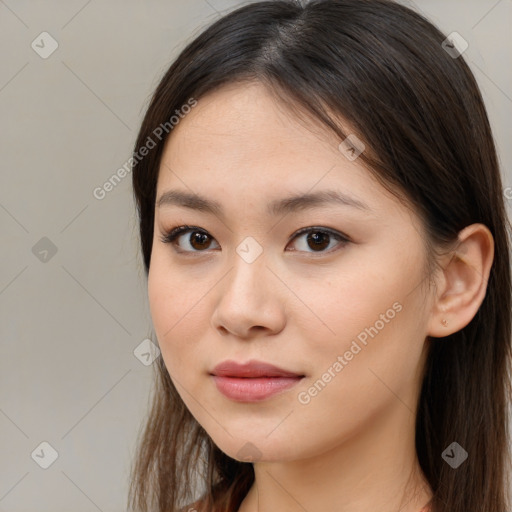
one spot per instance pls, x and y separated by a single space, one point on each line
252 381
253 389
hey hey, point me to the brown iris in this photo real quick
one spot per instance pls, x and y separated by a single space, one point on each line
202 239
321 240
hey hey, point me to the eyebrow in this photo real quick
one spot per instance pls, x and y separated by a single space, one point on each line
277 207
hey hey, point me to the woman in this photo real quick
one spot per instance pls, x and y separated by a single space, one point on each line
325 239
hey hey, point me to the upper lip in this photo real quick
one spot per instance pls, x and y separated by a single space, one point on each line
251 369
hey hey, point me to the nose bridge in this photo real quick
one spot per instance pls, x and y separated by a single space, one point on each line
249 250
249 268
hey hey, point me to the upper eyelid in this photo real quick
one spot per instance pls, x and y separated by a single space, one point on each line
181 230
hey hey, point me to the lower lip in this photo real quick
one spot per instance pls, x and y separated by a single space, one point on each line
253 389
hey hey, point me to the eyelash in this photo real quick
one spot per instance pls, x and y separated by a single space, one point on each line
174 233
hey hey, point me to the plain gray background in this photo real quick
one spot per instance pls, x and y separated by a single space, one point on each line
73 305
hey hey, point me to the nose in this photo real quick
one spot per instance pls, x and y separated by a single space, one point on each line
250 300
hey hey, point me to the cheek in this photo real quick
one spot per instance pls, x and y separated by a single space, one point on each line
346 305
373 321
354 382
171 303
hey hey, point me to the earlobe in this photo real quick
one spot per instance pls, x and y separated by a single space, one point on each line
464 281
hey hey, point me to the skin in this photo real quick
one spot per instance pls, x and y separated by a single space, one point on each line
351 447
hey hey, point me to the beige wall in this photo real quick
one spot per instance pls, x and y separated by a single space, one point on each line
73 305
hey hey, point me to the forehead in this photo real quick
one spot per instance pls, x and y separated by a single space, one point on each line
240 142
247 120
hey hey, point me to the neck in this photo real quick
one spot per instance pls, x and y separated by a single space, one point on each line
376 469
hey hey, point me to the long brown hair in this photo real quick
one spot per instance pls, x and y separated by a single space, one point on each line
381 67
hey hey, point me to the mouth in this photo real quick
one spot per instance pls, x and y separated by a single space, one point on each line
252 381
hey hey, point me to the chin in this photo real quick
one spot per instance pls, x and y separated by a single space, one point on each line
256 448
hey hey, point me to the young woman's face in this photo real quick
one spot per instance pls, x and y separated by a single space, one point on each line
344 304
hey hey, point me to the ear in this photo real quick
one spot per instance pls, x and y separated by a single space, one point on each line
462 284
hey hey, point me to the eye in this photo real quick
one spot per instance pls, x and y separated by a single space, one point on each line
200 239
317 238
